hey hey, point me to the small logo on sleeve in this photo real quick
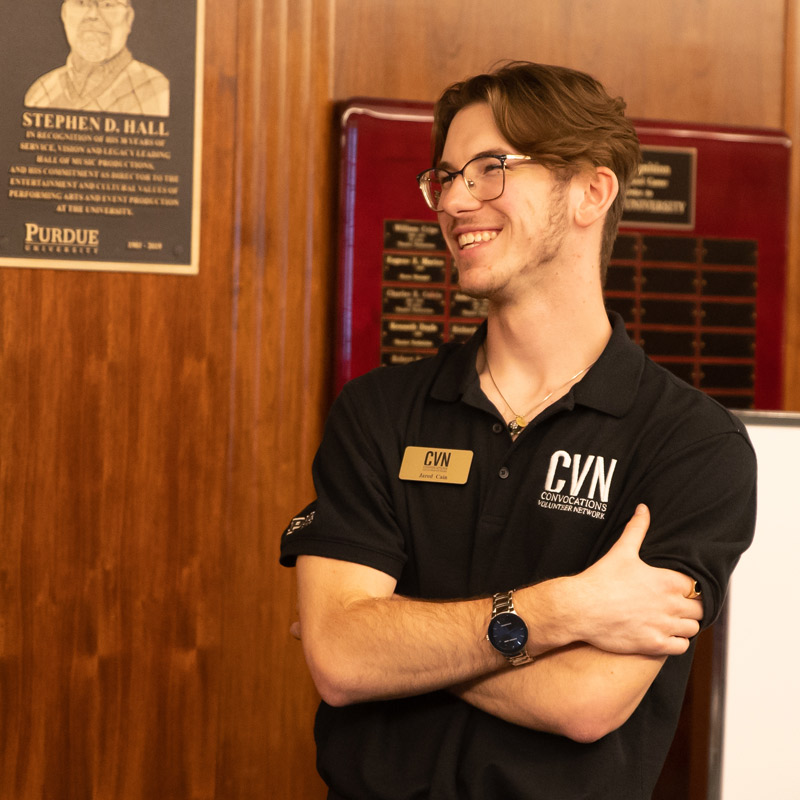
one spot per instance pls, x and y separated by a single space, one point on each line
300 522
578 484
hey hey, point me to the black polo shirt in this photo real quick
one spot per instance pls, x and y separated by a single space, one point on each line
548 504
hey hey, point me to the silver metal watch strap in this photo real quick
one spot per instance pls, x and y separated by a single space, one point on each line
519 659
503 603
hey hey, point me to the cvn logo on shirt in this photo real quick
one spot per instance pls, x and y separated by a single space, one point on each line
578 484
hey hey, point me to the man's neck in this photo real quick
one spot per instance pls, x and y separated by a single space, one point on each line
536 346
89 79
82 66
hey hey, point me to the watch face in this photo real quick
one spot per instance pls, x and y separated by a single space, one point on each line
508 633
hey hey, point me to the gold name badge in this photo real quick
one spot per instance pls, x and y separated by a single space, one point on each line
435 465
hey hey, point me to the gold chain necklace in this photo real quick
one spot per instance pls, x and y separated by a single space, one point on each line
519 422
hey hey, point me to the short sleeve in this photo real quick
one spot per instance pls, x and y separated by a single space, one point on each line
702 500
352 518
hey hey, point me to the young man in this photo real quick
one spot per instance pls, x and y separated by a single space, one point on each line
514 542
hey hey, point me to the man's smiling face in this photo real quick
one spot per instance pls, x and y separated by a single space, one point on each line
499 245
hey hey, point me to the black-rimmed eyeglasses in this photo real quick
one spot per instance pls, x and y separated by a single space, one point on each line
484 177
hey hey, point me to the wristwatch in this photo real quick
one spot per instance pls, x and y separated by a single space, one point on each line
508 633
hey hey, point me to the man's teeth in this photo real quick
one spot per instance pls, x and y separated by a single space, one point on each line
476 237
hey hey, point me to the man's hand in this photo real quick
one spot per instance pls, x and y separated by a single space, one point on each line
627 606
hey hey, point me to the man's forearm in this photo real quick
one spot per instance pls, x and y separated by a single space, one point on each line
371 644
384 648
577 691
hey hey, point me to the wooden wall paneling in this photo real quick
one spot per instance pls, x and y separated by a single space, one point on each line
114 421
281 351
792 127
109 469
156 436
690 60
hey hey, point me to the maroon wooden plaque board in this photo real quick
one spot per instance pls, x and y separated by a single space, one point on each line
698 271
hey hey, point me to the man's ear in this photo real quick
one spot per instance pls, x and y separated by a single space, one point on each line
600 189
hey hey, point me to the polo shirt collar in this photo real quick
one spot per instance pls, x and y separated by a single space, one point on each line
610 385
458 372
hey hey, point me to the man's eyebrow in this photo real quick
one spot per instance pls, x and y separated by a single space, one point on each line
494 151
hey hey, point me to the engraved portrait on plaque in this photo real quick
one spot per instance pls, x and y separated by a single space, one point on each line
101 74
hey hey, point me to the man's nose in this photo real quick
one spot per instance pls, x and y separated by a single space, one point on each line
458 198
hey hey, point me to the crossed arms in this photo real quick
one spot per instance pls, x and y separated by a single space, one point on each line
600 638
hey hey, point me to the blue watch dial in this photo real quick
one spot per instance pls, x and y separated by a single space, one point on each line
508 633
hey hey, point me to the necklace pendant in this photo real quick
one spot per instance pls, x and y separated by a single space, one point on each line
516 425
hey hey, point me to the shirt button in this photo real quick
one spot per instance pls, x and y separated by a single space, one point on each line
497 427
504 473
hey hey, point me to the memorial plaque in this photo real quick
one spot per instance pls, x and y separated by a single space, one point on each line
462 305
100 135
696 275
401 234
412 334
395 359
669 281
405 301
663 193
668 343
413 268
728 345
461 331
734 284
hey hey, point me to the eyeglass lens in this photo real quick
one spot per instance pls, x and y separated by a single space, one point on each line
484 177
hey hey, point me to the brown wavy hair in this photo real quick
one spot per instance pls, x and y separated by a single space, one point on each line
562 118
